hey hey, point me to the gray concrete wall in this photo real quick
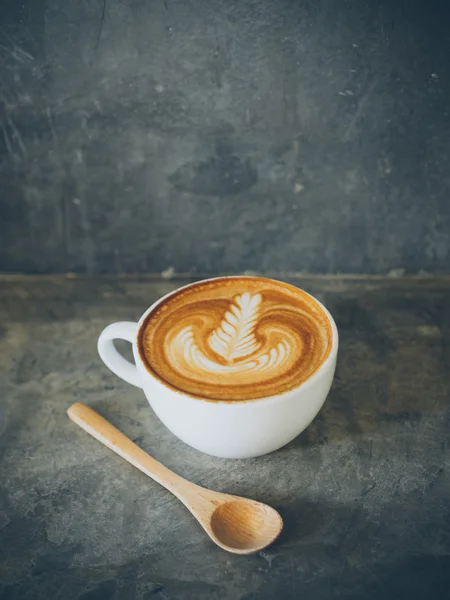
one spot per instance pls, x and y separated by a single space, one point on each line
221 136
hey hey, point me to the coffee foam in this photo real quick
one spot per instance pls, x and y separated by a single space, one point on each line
235 338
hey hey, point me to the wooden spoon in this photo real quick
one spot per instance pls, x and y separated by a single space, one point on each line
235 524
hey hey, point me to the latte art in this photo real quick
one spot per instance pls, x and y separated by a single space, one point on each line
234 343
236 338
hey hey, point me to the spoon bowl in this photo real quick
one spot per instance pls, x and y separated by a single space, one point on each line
244 526
236 524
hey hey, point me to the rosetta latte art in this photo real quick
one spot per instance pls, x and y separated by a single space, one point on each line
235 344
236 339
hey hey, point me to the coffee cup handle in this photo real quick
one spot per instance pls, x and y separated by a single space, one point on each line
120 366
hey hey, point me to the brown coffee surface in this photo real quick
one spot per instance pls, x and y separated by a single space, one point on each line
234 339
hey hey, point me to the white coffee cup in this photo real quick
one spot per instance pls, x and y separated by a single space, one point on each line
240 429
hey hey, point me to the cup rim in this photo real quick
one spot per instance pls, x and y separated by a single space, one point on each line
266 399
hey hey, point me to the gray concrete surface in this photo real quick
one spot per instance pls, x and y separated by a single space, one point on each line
224 135
363 491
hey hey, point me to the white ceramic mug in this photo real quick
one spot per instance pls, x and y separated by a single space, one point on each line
227 429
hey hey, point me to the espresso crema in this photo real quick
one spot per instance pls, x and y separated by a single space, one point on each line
236 338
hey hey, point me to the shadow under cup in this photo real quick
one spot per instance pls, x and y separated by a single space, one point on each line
223 428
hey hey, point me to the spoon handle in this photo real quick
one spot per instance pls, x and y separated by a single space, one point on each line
116 441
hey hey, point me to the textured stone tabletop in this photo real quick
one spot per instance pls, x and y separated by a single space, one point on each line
364 491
